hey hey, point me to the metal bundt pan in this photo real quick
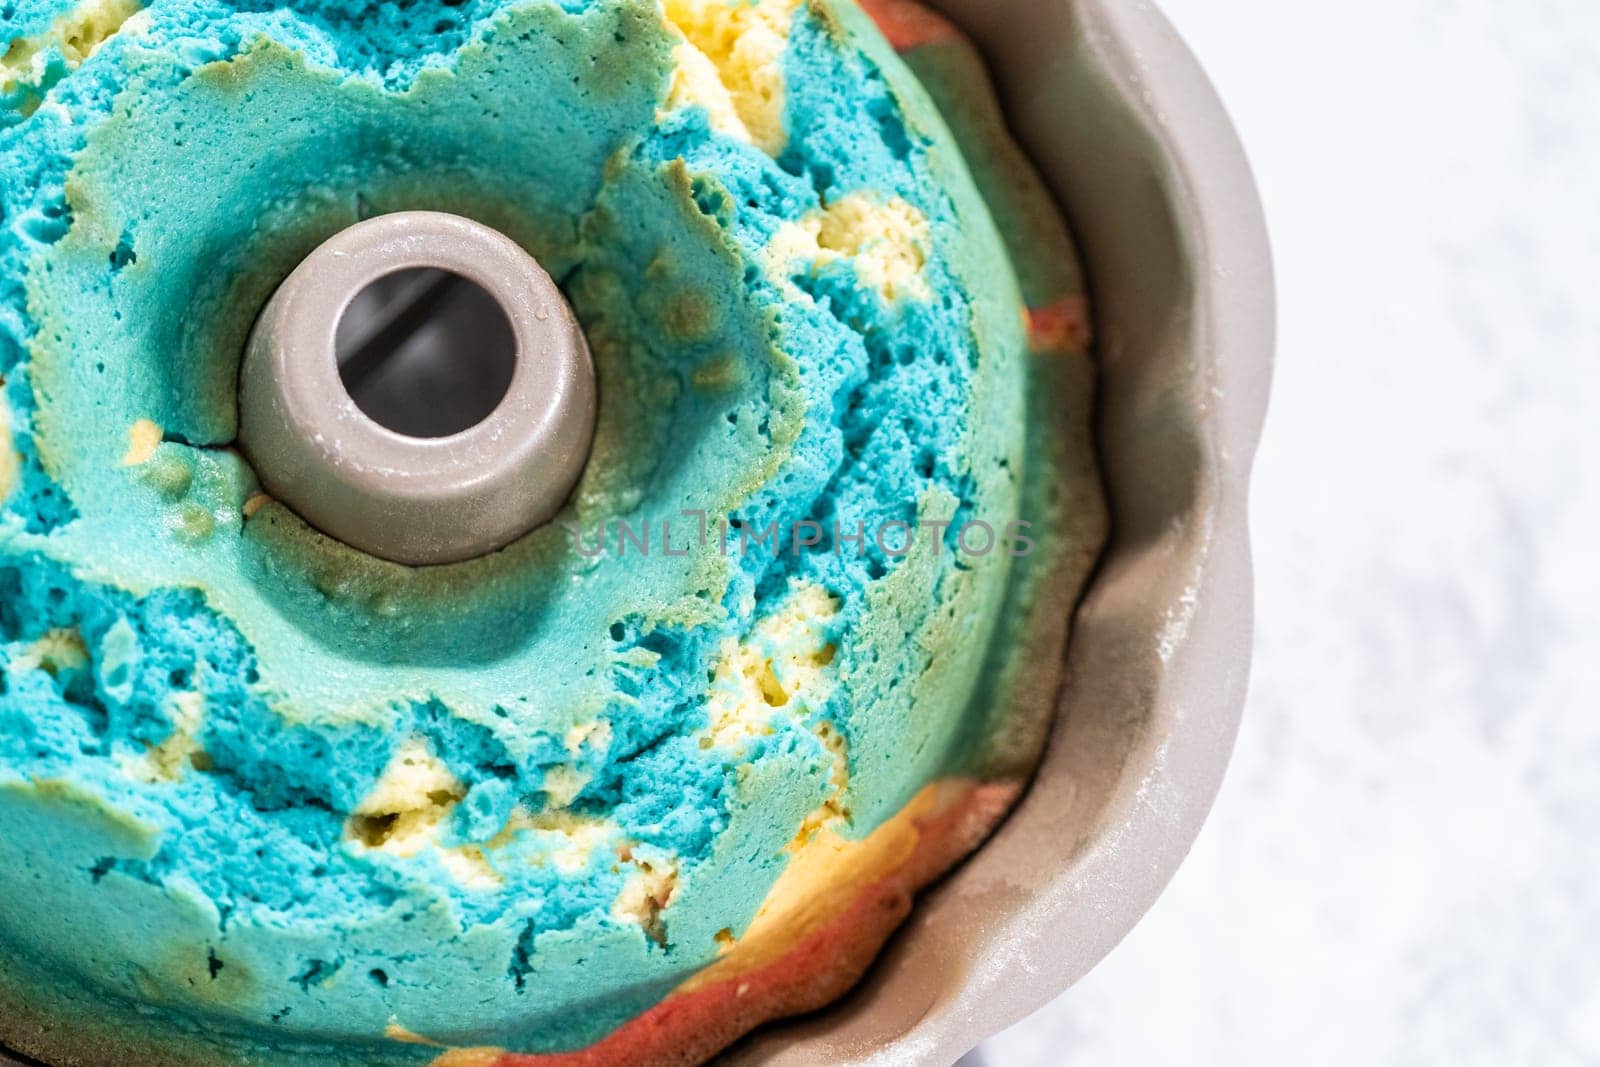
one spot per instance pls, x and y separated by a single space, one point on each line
1133 140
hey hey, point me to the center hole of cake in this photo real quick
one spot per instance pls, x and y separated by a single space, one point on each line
426 352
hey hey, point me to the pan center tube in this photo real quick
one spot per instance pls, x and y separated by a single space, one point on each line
419 389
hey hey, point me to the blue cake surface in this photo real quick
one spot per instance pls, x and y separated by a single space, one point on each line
261 789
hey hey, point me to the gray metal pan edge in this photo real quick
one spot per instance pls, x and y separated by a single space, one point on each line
1135 143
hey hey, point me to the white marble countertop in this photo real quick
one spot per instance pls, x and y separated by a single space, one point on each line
1404 865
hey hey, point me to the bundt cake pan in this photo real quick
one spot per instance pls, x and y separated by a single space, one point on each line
1133 140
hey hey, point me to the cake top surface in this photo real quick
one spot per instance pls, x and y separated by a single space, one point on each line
273 774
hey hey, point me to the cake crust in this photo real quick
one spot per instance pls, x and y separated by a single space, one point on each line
978 646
